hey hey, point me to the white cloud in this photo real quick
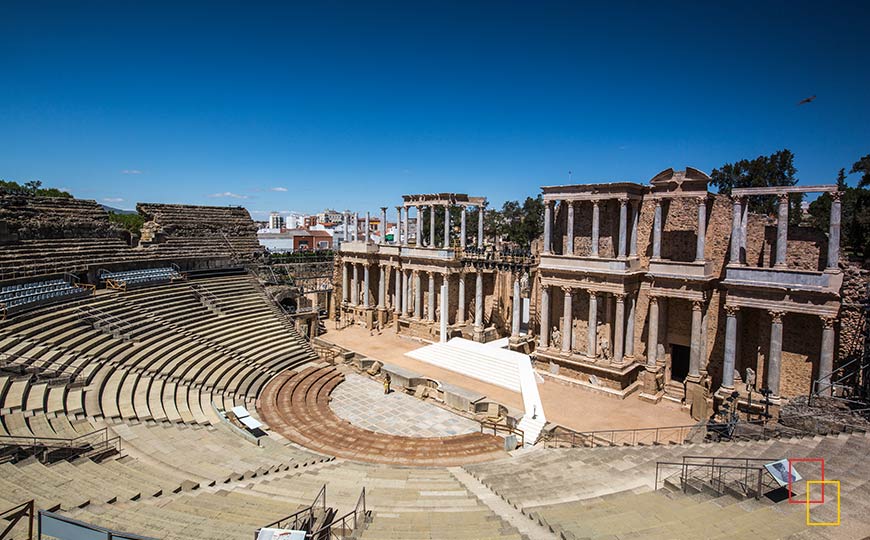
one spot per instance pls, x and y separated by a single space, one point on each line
259 212
131 171
229 194
278 189
113 199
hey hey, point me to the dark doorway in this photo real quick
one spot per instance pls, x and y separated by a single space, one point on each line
679 362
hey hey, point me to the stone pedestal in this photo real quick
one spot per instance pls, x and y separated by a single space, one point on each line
652 379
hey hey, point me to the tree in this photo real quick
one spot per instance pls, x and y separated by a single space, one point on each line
32 188
862 166
776 169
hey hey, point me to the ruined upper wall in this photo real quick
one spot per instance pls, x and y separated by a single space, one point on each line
42 218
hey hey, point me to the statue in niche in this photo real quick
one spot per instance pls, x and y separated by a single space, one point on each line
604 348
557 338
750 379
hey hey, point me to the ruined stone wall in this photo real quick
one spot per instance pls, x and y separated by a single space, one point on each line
41 218
852 324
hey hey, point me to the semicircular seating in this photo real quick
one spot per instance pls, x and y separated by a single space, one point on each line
296 405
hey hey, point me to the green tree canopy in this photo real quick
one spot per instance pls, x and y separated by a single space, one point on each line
32 188
776 169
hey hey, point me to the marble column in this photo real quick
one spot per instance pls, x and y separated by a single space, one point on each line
702 229
460 312
354 286
592 329
619 330
397 299
569 249
432 226
345 237
382 288
736 222
632 239
366 229
826 359
418 296
446 226
478 303
407 227
629 325
383 227
782 231
596 226
652 347
544 339
430 313
366 301
623 219
405 293
657 231
744 226
548 227
695 350
834 233
730 358
419 237
567 321
445 301
517 308
344 284
397 239
480 210
462 218
774 362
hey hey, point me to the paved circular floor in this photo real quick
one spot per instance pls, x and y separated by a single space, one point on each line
361 401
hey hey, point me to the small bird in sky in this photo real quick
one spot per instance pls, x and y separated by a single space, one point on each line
806 100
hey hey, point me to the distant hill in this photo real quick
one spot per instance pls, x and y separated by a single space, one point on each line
117 210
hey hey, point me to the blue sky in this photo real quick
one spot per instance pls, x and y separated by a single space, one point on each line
351 104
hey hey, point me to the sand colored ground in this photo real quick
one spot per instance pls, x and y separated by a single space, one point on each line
572 407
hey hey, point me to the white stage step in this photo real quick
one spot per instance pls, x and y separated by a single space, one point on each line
493 365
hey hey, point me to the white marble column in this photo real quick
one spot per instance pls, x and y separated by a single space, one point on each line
569 249
834 233
420 217
629 325
383 227
736 225
366 300
632 239
826 359
782 231
397 299
445 301
657 231
774 362
517 307
462 218
544 338
430 313
548 232
592 329
418 296
702 229
480 211
344 284
623 219
446 226
619 329
567 320
730 358
652 347
596 226
478 303
744 226
398 237
406 225
432 225
460 311
405 293
354 290
695 350
382 287
366 229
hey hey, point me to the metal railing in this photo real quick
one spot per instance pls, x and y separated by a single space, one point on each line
14 515
206 297
89 444
57 526
619 437
105 322
501 428
343 527
301 519
745 475
852 370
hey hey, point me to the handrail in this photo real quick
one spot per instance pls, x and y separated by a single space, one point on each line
95 441
13 516
308 512
328 528
716 480
496 428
